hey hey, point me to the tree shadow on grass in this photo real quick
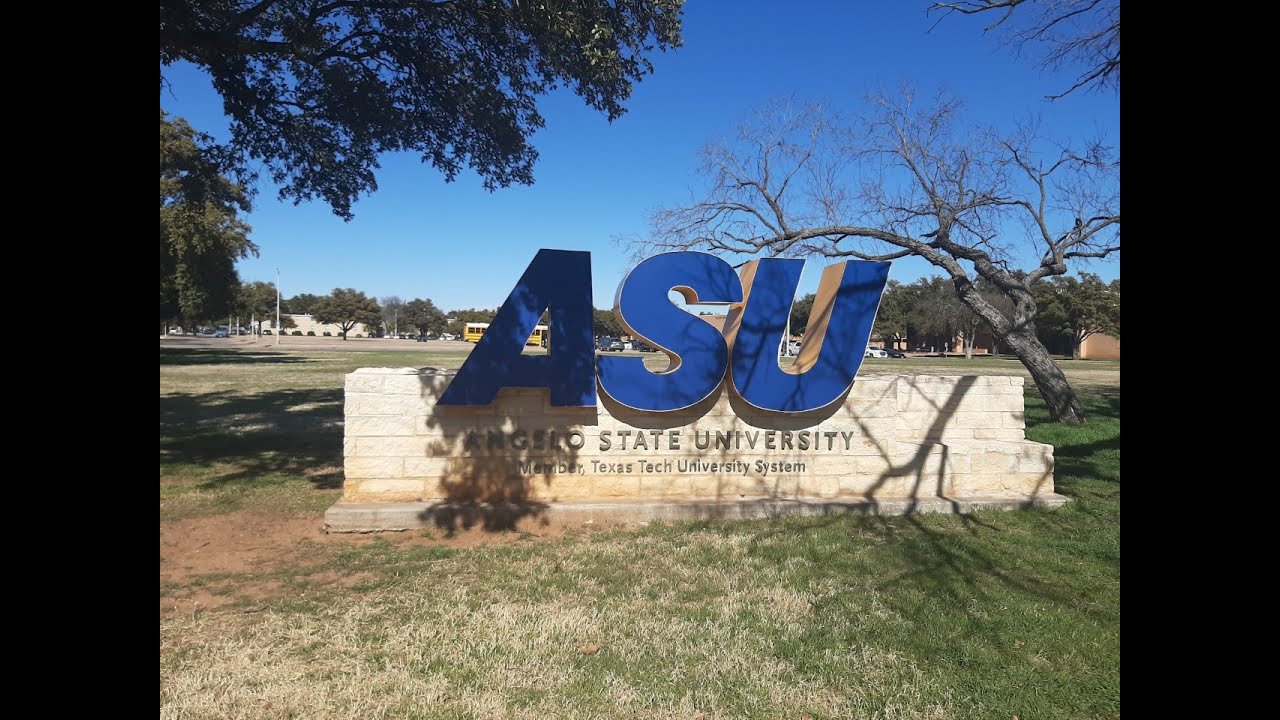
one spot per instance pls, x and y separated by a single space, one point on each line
1091 451
187 356
1001 558
978 563
243 437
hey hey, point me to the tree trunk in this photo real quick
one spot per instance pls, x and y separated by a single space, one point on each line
1019 336
1076 342
1049 378
968 349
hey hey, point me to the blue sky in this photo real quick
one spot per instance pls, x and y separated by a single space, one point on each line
463 246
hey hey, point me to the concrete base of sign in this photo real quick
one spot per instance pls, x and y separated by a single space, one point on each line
894 444
346 517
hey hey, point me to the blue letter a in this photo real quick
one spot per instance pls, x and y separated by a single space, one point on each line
556 279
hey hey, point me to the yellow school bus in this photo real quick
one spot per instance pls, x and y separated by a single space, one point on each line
541 336
475 331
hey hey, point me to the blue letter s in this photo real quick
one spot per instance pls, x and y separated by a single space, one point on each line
698 352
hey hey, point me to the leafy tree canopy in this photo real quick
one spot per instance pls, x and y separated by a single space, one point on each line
423 316
604 323
800 311
301 304
316 90
201 235
1078 308
460 318
257 299
894 316
345 307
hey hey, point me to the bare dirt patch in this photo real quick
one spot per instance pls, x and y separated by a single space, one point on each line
212 562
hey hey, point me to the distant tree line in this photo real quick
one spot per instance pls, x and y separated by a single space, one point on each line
928 313
345 307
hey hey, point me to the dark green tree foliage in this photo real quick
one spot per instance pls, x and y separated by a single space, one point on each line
470 315
893 319
201 236
1115 288
931 307
256 299
316 90
423 316
301 304
1075 309
935 310
800 311
604 323
346 308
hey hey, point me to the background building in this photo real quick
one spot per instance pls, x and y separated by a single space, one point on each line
307 323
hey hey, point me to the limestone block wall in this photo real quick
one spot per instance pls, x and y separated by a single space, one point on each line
894 436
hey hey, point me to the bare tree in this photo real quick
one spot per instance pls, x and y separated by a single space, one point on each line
904 180
392 308
1065 32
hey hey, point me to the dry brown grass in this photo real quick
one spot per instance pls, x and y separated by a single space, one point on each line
993 615
498 633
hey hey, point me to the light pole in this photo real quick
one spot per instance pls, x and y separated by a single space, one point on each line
277 304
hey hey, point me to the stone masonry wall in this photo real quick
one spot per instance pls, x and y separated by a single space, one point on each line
894 436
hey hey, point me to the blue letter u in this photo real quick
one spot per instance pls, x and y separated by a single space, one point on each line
835 340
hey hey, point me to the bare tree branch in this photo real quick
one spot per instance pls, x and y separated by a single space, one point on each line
1064 32
907 179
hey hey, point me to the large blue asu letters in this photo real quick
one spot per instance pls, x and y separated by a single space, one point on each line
559 280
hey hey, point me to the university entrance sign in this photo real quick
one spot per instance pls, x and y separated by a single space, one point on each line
724 430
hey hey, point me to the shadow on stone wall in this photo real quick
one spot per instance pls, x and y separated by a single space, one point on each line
923 472
518 430
490 490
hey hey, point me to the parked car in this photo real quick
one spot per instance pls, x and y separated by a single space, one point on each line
616 346
895 353
421 338
602 344
448 336
793 348
222 332
645 347
630 345
873 352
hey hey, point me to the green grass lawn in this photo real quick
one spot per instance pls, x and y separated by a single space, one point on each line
988 615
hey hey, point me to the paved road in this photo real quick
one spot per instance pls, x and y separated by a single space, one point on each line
313 343
330 344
